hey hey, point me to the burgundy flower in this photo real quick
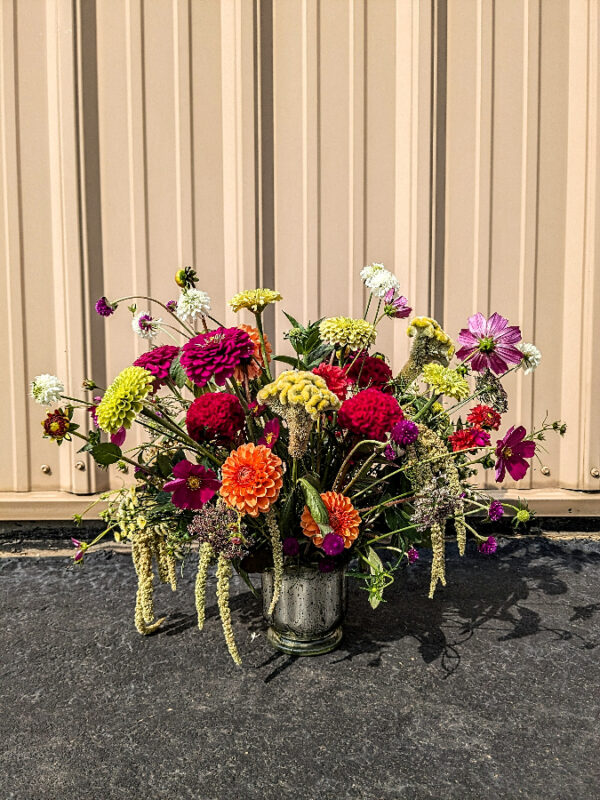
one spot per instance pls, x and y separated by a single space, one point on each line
366 370
511 453
489 546
291 546
104 308
270 433
158 362
216 354
412 555
496 510
397 307
490 343
370 414
215 415
333 544
405 432
192 486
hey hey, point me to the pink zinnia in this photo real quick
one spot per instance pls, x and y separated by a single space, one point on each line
511 453
216 355
193 485
490 343
158 362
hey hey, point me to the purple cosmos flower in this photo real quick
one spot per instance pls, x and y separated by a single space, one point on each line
81 548
405 432
333 544
192 486
291 546
490 343
397 307
326 565
496 510
511 453
104 308
270 434
412 555
489 546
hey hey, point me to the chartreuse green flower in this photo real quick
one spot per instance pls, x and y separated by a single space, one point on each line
444 380
123 399
347 332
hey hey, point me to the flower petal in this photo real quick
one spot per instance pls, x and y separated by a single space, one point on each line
477 325
495 325
517 468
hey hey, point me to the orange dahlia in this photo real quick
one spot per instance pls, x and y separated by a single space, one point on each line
253 369
343 518
251 479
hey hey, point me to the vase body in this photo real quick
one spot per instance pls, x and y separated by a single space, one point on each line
307 619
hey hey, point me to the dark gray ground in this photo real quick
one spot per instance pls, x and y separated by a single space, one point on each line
492 690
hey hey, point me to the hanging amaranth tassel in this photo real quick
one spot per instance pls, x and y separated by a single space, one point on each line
142 548
205 556
224 573
277 548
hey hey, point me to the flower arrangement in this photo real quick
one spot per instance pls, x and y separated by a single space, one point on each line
337 460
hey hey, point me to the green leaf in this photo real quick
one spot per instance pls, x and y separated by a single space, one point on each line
292 321
177 373
164 465
162 498
316 506
105 454
286 360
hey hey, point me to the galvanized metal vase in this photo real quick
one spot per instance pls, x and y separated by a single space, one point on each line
308 615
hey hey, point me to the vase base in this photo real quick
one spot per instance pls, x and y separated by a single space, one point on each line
288 643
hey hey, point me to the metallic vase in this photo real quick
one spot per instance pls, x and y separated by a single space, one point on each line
308 615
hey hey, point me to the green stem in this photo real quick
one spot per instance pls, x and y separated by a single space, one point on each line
162 305
368 306
433 399
164 421
263 349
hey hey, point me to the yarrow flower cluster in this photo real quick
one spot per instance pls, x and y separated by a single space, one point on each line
192 303
123 400
221 528
379 280
46 389
347 332
216 355
370 413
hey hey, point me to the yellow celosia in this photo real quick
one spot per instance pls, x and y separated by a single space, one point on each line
123 400
254 299
299 388
426 326
444 380
347 332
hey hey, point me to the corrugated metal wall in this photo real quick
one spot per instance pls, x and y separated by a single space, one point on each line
288 143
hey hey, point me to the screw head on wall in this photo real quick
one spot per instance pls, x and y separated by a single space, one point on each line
80 466
595 472
45 468
545 470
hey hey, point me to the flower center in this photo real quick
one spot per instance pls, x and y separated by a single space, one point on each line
193 483
245 475
507 452
486 344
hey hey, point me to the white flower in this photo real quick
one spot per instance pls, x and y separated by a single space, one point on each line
531 357
145 325
192 303
46 389
379 280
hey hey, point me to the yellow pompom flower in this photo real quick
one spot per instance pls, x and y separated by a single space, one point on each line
296 387
426 326
123 399
347 332
254 299
444 380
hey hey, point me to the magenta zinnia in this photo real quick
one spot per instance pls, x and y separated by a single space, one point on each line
216 355
490 343
158 362
193 485
511 453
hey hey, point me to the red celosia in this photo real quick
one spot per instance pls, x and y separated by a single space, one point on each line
216 415
335 378
158 362
484 417
368 371
469 439
370 413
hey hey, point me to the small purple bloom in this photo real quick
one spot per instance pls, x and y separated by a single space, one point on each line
405 432
333 544
489 546
496 510
397 307
389 452
270 434
326 565
291 546
171 306
81 548
412 555
104 308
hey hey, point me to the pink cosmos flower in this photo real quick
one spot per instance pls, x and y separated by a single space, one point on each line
490 343
81 548
192 486
270 434
396 307
511 453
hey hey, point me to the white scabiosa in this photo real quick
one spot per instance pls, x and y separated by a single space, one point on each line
145 325
379 280
46 389
192 303
532 357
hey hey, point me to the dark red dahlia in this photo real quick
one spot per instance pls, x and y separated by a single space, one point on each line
469 439
484 417
335 378
368 370
370 413
216 354
217 416
158 362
